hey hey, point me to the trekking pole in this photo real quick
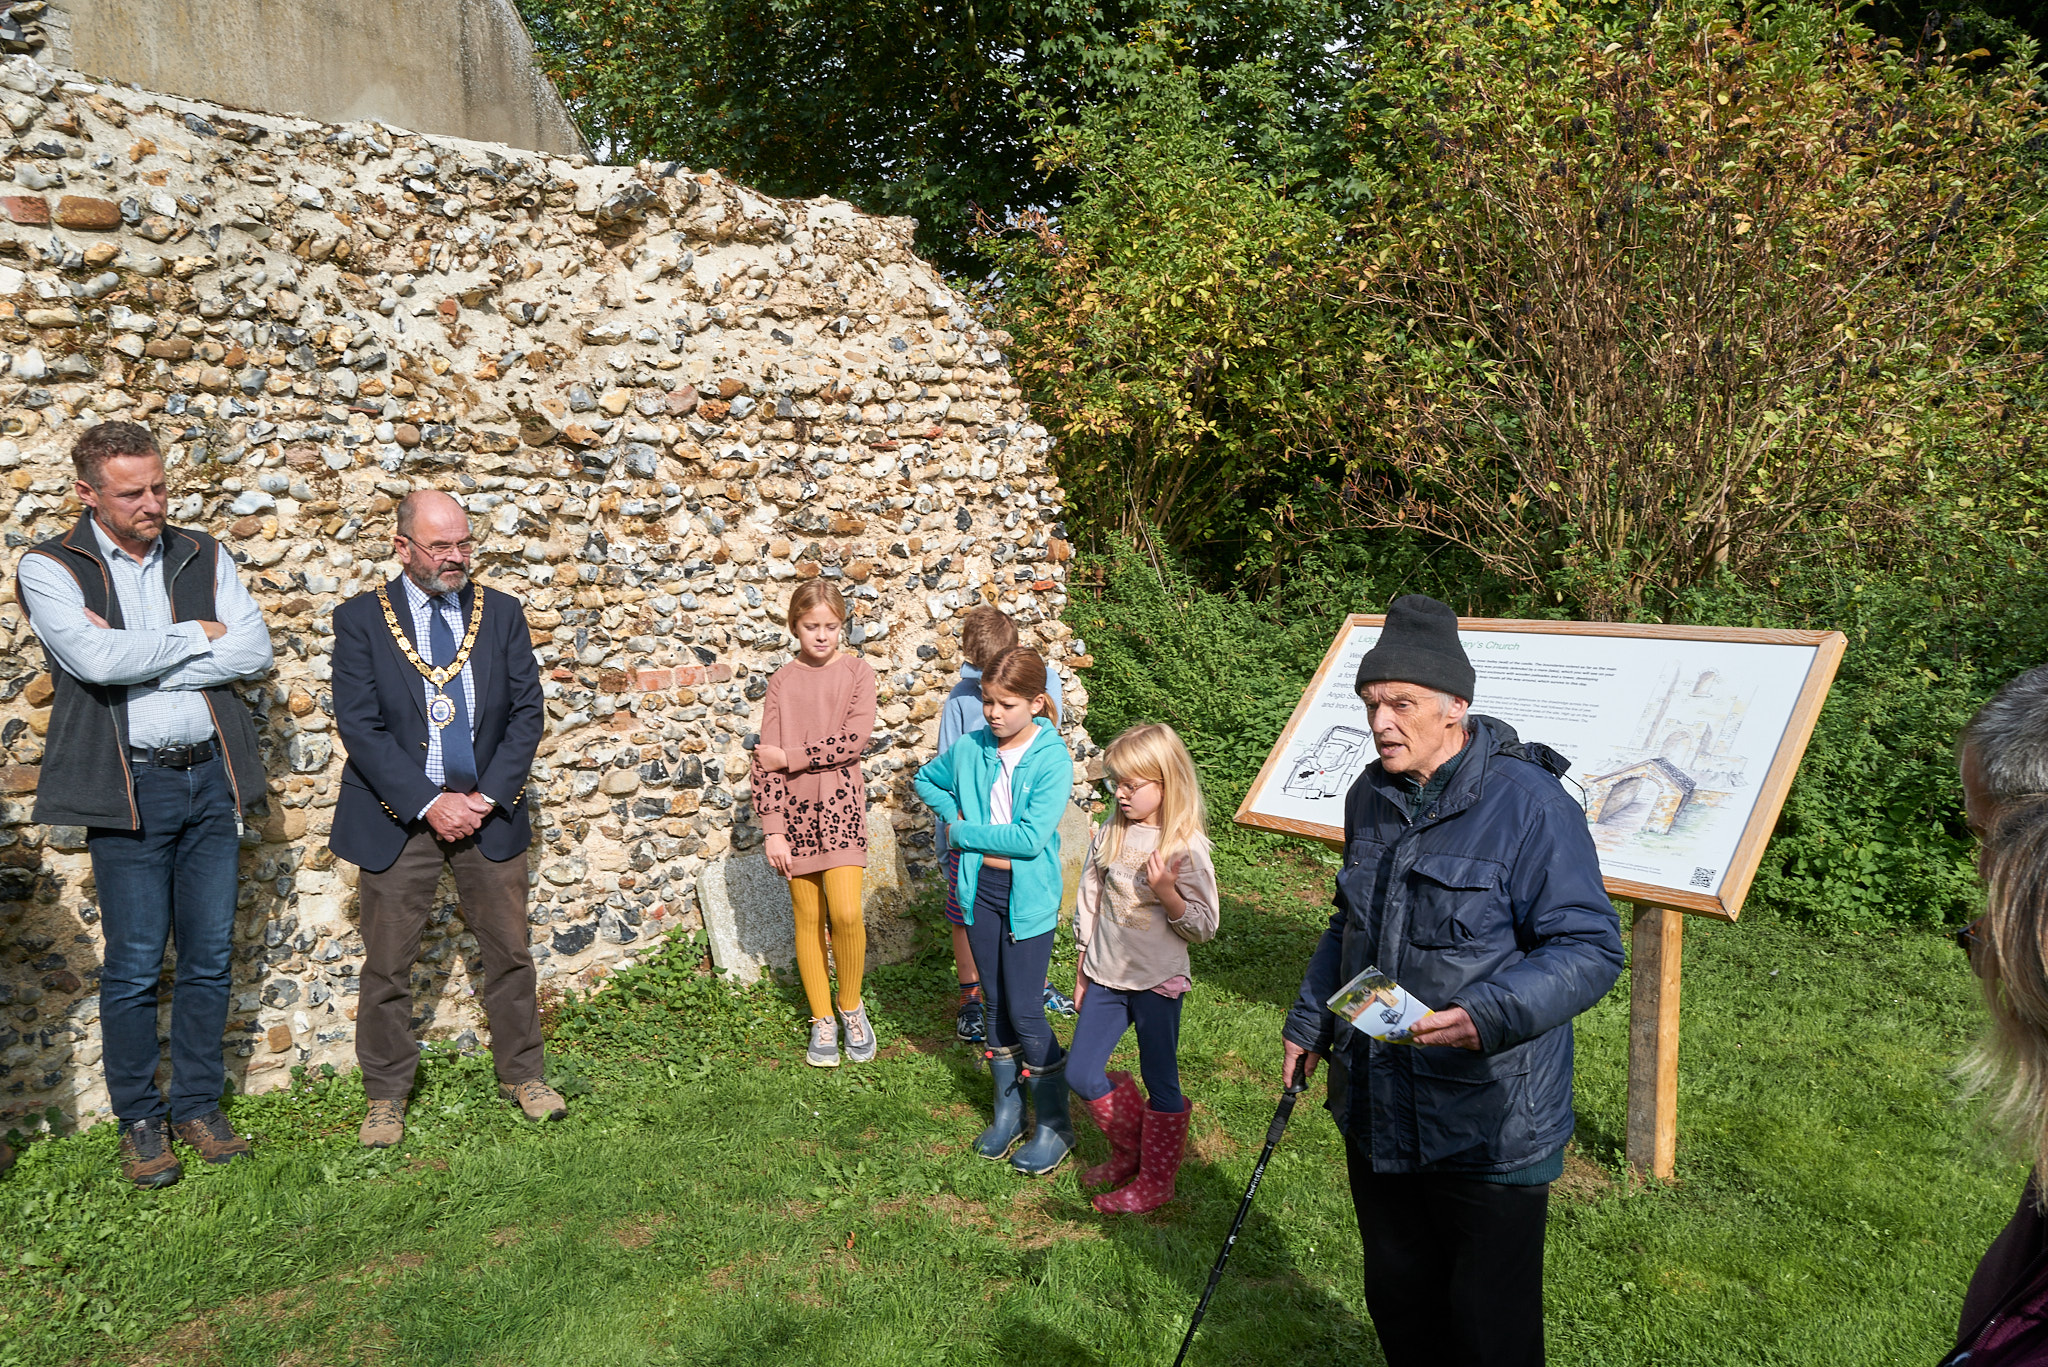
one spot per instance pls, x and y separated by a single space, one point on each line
1244 1207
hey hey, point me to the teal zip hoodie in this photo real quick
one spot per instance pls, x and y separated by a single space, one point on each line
956 786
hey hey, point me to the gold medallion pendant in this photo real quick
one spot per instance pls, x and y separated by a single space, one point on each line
441 707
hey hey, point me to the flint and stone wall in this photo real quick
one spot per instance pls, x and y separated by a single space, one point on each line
664 399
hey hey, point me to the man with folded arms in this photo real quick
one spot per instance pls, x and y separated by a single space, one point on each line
437 698
146 626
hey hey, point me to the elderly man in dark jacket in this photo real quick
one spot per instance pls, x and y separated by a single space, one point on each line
1470 878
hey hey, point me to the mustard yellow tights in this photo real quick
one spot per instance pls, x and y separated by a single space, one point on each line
836 894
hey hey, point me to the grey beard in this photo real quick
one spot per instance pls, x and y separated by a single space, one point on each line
430 584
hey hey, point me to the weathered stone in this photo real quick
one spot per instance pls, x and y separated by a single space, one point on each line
649 466
29 210
88 214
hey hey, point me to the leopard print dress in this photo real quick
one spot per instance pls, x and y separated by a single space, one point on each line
827 715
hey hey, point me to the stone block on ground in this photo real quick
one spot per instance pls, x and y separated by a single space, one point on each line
748 916
1074 831
752 925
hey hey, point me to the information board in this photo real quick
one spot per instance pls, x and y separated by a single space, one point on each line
1682 740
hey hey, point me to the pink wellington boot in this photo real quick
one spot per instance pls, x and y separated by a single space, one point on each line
1159 1155
1121 1118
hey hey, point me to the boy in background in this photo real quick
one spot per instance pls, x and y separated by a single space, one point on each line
984 634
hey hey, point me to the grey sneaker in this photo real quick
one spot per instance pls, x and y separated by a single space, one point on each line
860 1036
824 1050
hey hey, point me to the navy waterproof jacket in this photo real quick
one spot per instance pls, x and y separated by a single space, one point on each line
1490 900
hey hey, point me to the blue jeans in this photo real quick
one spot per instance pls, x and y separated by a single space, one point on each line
1012 974
1105 1013
173 880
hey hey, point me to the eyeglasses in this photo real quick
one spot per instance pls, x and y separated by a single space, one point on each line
444 550
1125 787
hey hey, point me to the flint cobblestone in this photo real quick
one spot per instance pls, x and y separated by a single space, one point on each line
314 319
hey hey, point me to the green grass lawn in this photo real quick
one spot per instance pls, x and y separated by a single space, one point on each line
712 1200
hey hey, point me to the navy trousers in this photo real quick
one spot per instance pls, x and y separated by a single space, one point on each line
170 882
1012 974
1105 1014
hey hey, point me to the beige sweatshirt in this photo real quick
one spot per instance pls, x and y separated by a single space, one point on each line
1127 941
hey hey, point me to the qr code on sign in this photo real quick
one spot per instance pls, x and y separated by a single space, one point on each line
1703 878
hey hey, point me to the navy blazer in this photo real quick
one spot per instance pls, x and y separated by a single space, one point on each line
380 710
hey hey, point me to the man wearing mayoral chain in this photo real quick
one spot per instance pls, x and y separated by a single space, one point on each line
437 698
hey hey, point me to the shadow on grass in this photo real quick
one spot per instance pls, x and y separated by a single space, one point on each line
1266 1307
1265 952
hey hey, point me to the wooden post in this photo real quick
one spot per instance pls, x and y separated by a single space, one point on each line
1656 943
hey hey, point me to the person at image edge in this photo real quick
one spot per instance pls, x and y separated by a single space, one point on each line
146 627
1469 876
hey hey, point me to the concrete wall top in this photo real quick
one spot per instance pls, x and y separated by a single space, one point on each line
458 67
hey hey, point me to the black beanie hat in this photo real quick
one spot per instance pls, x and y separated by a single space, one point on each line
1419 645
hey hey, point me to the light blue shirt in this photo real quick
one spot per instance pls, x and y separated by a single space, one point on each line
163 663
449 605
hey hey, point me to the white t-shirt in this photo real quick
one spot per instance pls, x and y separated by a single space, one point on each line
999 792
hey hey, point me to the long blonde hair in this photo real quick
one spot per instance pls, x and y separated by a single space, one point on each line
1154 753
2011 959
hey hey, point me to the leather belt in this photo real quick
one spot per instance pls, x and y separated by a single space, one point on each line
173 756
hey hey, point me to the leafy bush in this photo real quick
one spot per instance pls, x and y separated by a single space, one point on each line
1872 832
1224 669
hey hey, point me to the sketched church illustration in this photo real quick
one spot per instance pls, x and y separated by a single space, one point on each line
1680 756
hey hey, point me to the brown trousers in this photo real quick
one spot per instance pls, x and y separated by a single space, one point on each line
395 907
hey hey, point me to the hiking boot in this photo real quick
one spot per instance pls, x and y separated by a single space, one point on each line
535 1099
1121 1118
824 1050
215 1139
1006 1067
384 1125
146 1157
1058 1003
1166 1140
1052 1131
860 1035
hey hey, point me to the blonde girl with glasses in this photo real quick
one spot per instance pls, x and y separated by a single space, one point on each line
1148 891
811 799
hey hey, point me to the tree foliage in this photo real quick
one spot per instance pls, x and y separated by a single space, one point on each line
1653 299
919 108
1163 320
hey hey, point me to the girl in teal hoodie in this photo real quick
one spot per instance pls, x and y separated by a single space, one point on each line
1000 794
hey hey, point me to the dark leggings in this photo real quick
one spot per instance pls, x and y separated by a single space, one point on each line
1105 1013
1012 974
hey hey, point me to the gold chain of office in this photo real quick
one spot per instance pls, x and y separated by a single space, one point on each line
441 709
